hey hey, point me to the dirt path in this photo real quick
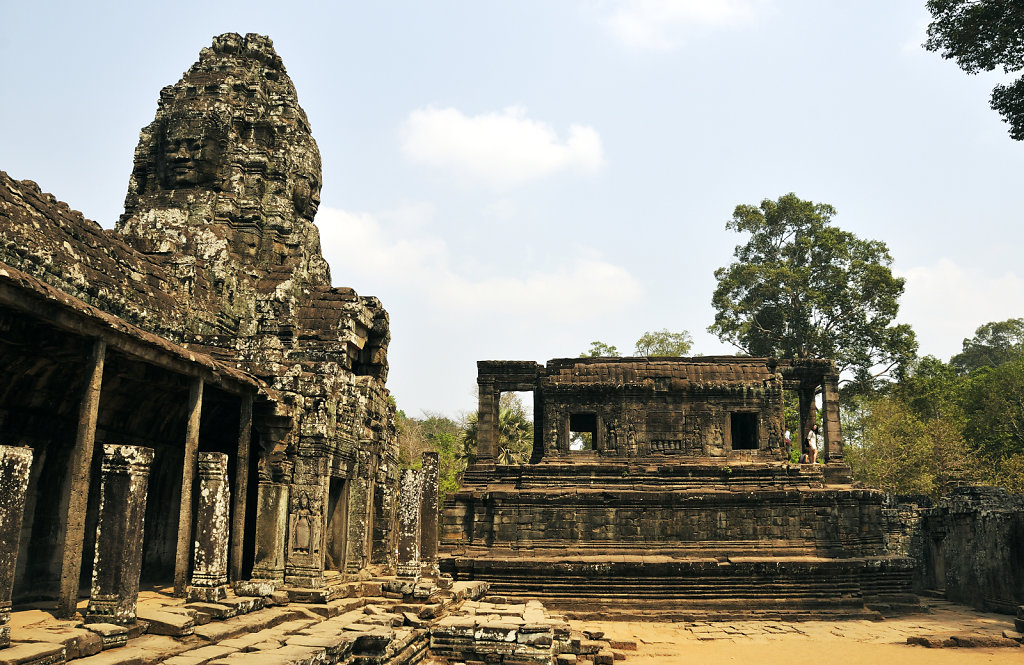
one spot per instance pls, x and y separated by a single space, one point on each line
814 642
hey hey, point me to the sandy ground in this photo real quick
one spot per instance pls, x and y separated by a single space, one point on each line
813 642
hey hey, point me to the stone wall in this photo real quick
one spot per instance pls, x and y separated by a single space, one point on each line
973 548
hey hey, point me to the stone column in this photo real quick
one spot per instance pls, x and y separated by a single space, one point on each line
833 451
195 409
307 521
241 487
271 527
124 481
431 469
409 523
487 423
15 467
359 521
76 500
808 411
212 532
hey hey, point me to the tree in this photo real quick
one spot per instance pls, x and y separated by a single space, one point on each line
981 35
600 349
802 288
993 344
664 343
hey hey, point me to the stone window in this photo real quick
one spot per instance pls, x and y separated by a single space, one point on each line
744 431
582 431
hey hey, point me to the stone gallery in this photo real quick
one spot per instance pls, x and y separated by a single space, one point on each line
189 407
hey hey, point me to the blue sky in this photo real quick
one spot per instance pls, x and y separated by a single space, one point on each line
516 179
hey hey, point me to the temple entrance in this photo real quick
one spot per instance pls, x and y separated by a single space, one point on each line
744 431
337 525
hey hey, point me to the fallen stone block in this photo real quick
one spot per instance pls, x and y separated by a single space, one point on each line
982 641
33 653
254 588
565 659
623 645
1013 635
111 635
79 642
167 623
214 610
931 641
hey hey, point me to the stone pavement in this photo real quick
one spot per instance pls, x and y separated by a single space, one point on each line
944 625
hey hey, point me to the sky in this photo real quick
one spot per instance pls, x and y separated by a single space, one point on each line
517 179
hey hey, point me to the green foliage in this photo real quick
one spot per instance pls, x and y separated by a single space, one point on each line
981 35
600 350
939 427
515 431
664 343
993 344
994 405
802 288
435 432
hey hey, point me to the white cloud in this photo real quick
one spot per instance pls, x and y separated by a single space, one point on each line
661 24
503 149
361 245
945 303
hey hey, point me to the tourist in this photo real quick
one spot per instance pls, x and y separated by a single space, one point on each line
810 455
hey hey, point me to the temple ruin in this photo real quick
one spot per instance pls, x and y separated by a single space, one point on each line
682 502
204 332
189 407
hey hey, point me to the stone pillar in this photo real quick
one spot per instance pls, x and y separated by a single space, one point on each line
76 500
431 469
124 481
15 467
359 520
409 523
307 519
487 423
808 411
212 532
271 527
833 451
195 409
241 487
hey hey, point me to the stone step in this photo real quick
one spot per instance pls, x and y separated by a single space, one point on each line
217 631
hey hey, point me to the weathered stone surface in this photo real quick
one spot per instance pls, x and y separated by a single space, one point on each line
430 469
212 535
124 485
215 268
409 523
15 465
32 653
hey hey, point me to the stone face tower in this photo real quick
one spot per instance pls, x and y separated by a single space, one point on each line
226 179
212 310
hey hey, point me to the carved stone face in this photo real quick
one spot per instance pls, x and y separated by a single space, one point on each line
191 152
306 196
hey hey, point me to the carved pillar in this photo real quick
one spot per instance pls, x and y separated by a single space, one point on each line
195 408
359 507
808 411
76 499
833 451
241 487
15 467
212 532
487 423
271 528
304 560
431 469
409 523
124 481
